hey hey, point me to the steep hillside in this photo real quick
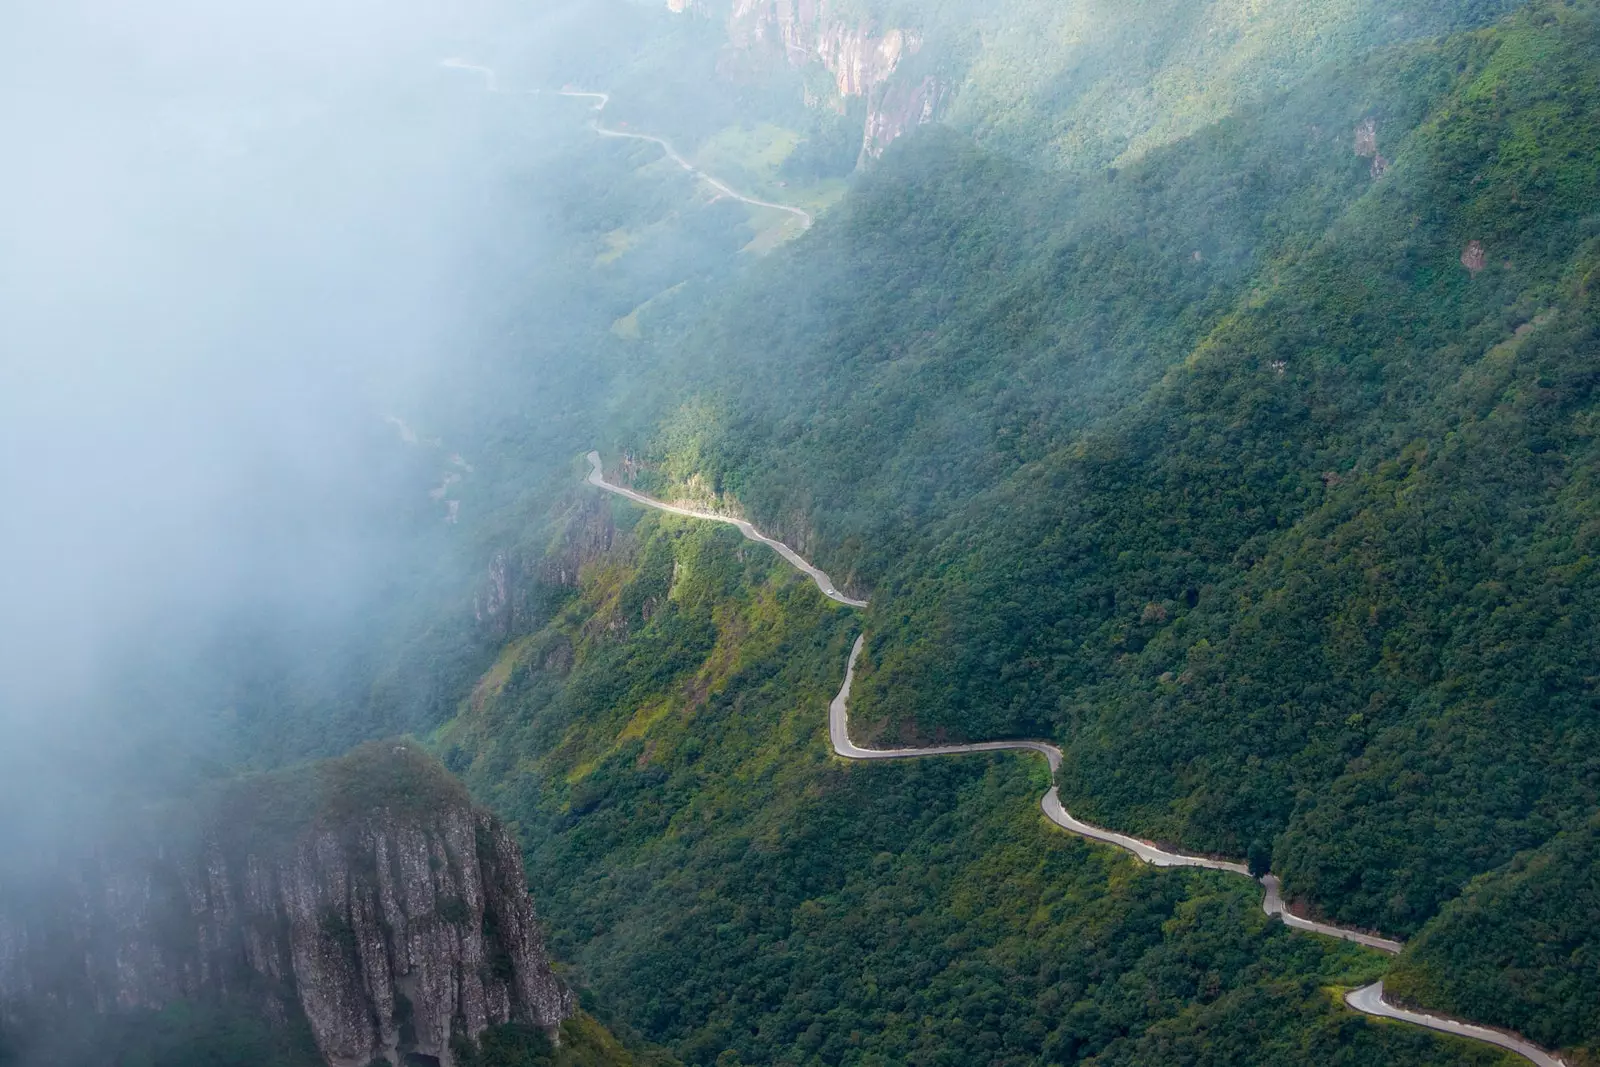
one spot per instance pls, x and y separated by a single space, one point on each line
1083 85
962 315
729 889
1378 472
1518 947
1278 515
1075 86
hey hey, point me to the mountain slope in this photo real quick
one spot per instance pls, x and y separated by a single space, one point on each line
732 891
1324 484
1297 555
1517 947
1086 85
961 314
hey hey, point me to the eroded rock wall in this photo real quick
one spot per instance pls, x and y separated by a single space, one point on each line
862 57
521 586
391 933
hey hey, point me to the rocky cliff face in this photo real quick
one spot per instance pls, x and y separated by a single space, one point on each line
859 57
862 58
900 108
521 586
392 929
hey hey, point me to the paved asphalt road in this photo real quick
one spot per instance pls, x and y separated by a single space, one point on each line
1367 999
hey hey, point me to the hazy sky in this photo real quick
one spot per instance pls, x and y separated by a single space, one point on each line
232 237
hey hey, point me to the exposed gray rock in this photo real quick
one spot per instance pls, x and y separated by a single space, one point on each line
390 932
521 586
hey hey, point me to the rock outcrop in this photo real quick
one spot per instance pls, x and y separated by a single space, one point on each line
393 927
901 107
861 57
522 585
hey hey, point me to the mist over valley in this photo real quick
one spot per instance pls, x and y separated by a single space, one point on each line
600 532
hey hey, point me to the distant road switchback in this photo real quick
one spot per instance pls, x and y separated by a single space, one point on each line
492 84
1367 999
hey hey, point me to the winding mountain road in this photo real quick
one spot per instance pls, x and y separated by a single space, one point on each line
1368 999
492 83
597 478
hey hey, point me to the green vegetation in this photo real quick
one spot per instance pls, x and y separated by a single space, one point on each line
727 888
831 145
1518 948
1260 474
748 157
1086 85
272 811
1378 474
584 1043
961 315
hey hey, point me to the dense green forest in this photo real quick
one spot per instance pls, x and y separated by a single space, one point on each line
1342 463
1085 85
1082 85
1518 946
730 890
963 314
581 1042
1259 472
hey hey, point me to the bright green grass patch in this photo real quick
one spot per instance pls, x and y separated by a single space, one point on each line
631 326
617 244
755 152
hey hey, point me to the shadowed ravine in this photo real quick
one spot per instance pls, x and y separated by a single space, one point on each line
1368 999
492 83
